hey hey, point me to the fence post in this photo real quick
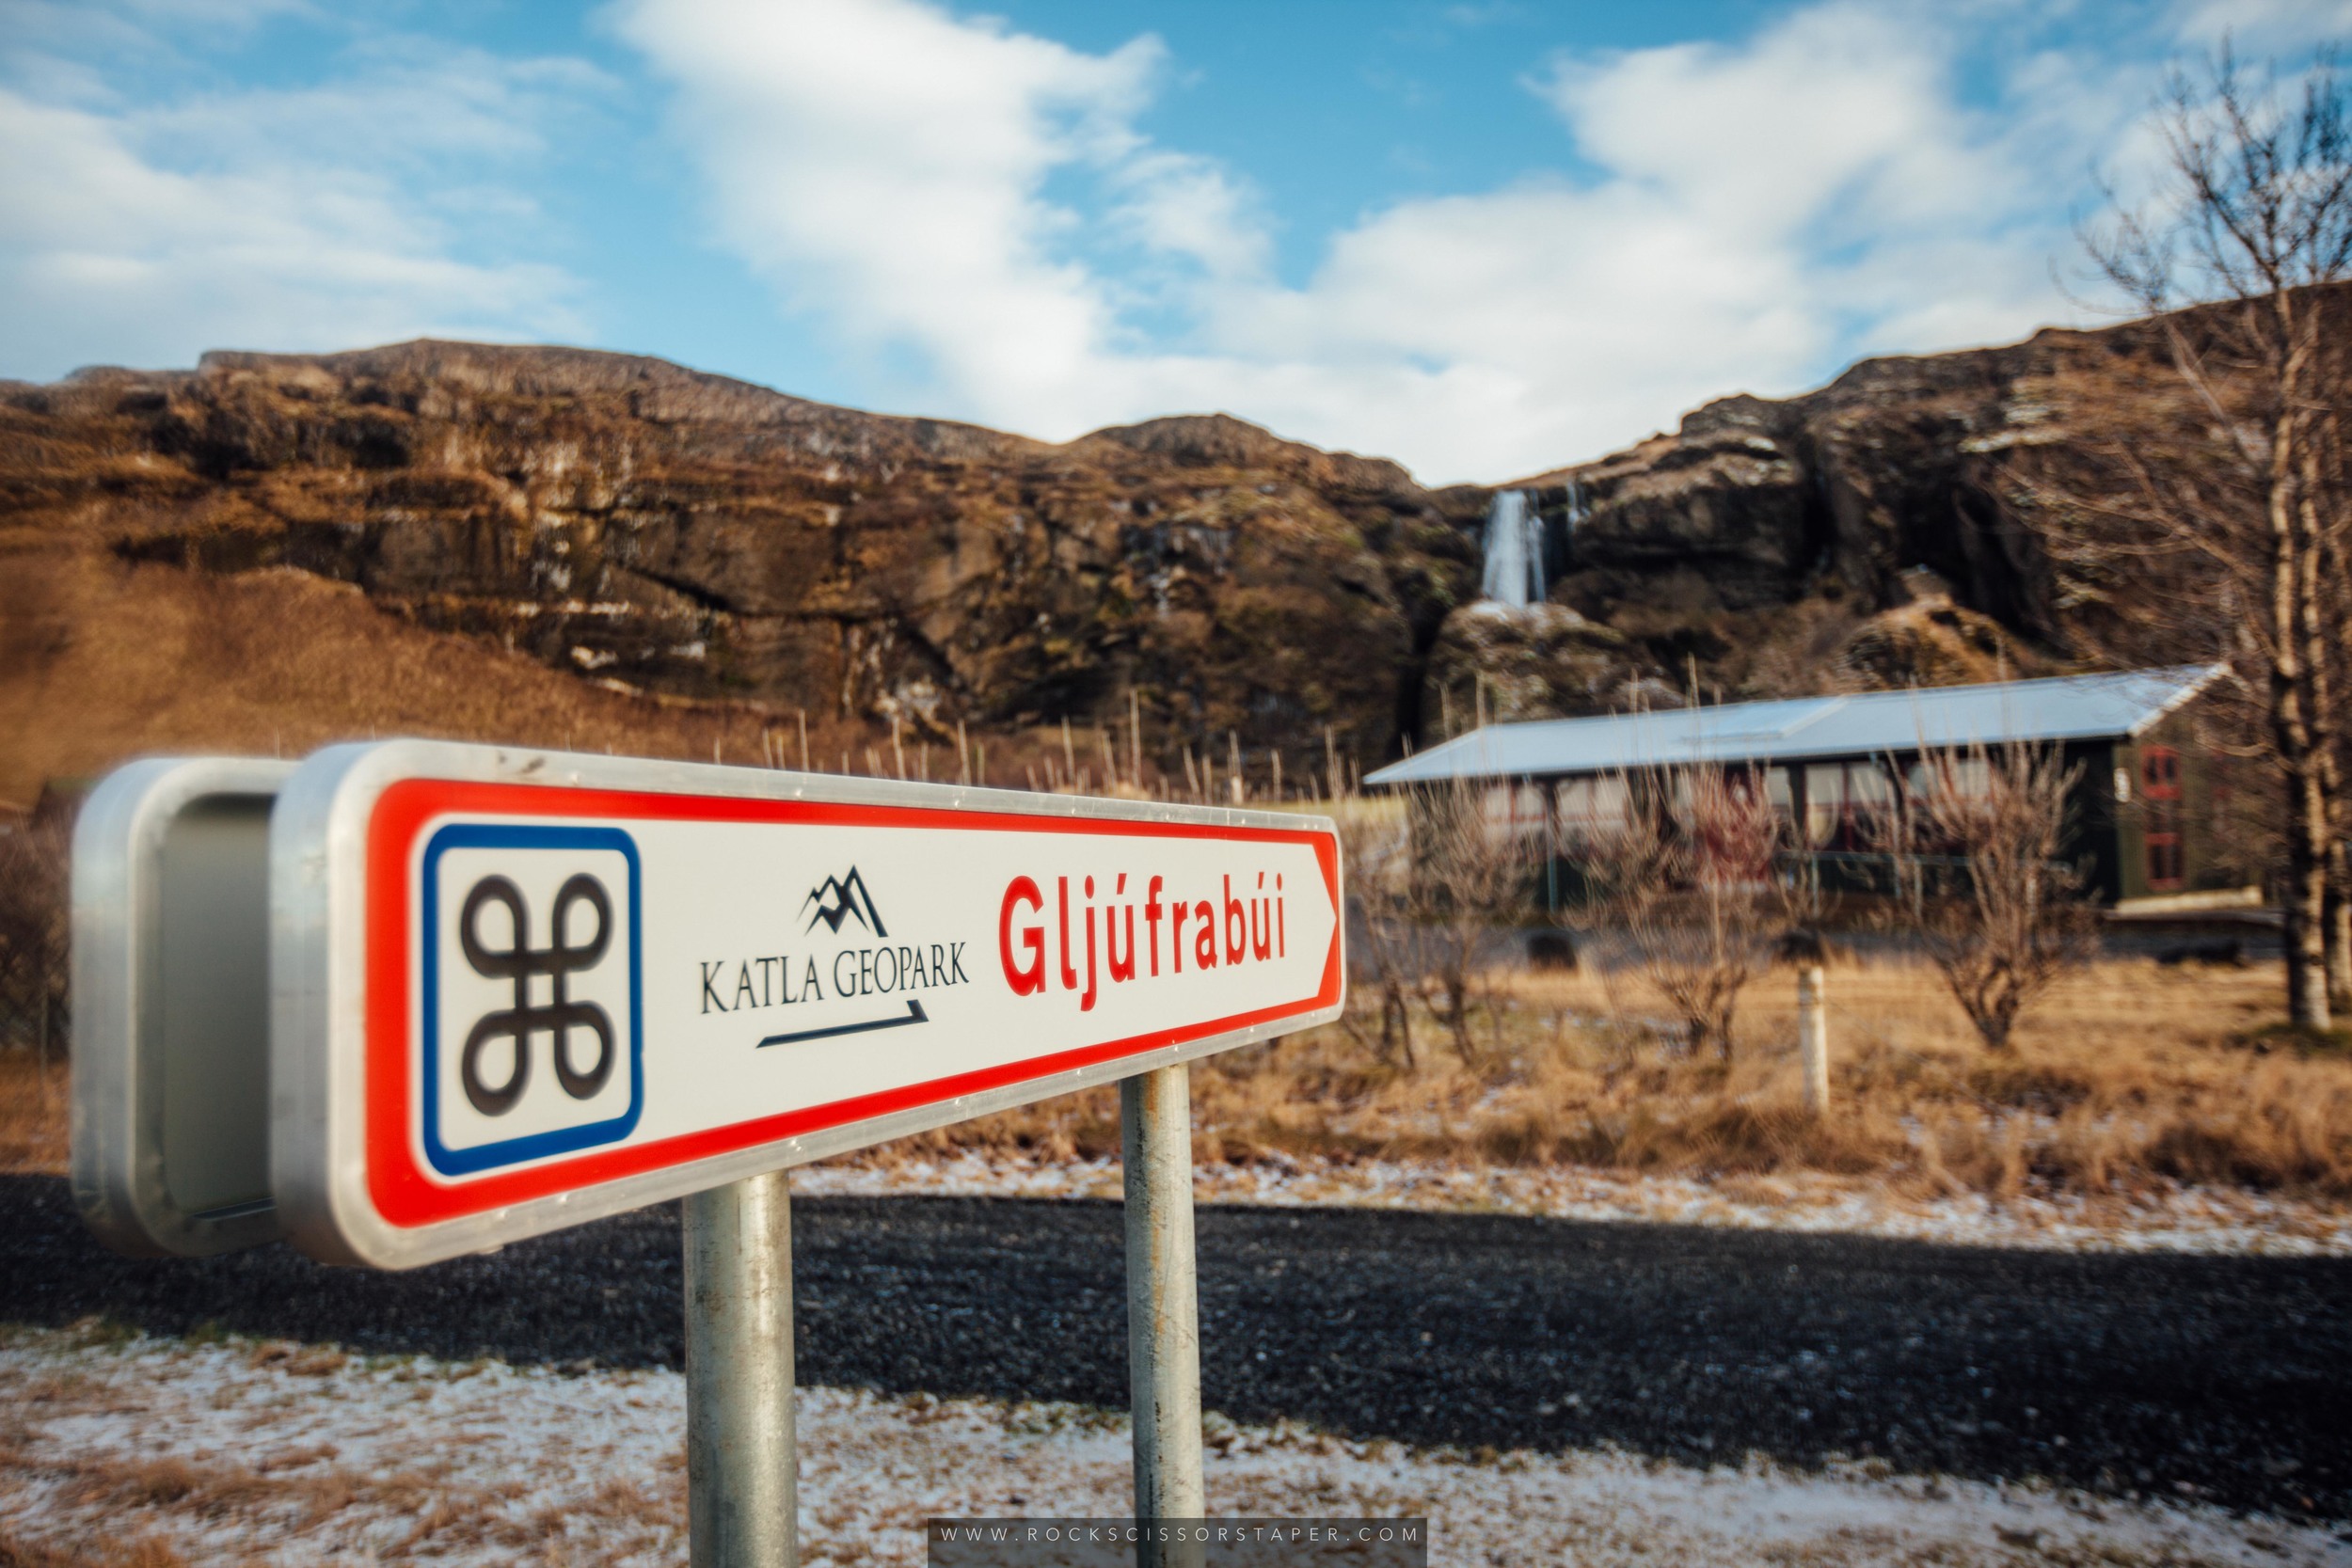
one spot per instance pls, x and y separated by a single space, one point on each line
742 1480
1162 1310
1813 1035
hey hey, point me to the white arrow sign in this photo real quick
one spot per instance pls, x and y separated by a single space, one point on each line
515 990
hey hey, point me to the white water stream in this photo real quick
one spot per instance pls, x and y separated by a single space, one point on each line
1514 552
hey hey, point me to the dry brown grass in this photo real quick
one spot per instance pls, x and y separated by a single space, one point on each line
102 660
33 1112
2129 1077
143 1552
441 1510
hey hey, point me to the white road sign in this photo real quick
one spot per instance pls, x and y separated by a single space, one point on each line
515 990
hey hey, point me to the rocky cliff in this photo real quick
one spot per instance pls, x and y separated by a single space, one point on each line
659 531
1877 531
632 521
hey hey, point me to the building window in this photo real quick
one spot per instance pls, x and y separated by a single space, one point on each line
1514 812
1844 803
2160 814
1594 809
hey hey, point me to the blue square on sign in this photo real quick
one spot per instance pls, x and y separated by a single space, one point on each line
534 1019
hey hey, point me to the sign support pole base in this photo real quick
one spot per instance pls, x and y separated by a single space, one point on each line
742 1467
1163 1311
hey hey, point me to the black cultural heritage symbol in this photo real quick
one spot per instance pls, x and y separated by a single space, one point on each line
558 960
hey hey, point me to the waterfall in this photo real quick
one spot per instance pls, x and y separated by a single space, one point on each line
1576 506
1514 550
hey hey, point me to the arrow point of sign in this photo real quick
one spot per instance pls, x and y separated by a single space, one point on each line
1328 860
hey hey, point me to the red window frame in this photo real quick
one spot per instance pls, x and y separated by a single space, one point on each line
2160 795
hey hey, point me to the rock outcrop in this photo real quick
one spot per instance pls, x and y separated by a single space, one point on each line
1542 661
1767 542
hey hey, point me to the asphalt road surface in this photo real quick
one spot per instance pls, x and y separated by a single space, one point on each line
2223 1379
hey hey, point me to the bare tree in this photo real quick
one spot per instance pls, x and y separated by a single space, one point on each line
1975 844
2243 504
1692 879
33 917
1390 943
1470 875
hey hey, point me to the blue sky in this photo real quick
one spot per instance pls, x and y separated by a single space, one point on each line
1485 238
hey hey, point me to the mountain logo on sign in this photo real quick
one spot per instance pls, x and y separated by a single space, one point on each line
840 899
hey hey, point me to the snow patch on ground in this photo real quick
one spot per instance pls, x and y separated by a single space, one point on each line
2185 1220
279 1453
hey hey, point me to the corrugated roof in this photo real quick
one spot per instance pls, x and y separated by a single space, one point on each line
2072 708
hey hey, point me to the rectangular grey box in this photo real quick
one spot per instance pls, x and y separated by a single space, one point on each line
1235 1543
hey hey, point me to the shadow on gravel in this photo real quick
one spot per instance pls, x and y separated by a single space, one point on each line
2220 1378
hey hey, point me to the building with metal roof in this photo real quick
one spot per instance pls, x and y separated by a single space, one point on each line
2147 778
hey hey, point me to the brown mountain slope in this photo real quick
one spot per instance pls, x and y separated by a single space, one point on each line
102 660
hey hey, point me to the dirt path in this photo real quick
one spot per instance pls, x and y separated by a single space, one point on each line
2220 1378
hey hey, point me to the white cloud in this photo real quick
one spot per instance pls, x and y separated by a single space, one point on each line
2264 24
1835 100
294 219
1176 204
976 213
885 166
921 182
1766 210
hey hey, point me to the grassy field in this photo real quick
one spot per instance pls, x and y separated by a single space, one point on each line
2130 1077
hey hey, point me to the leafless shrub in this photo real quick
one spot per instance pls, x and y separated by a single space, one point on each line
1391 944
32 934
1693 878
1975 848
1469 875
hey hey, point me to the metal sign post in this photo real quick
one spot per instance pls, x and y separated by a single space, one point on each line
741 1469
1163 1306
509 992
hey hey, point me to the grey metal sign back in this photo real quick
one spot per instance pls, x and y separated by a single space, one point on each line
170 1149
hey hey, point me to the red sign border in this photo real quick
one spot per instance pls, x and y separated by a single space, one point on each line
405 1197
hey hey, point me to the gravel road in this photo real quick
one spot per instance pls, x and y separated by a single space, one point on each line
2223 1379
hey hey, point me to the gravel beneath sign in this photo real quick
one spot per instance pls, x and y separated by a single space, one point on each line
2220 1378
